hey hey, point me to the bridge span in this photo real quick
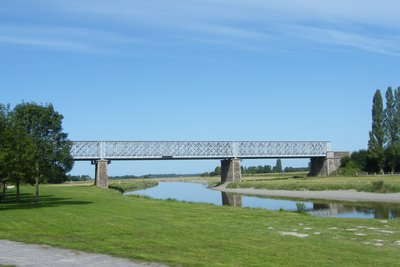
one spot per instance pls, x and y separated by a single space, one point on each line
101 153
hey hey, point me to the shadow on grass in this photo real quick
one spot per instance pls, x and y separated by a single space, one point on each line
27 201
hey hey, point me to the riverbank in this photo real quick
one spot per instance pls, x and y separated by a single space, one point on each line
374 184
175 233
340 195
124 186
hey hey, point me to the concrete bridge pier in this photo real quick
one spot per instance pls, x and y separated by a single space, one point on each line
101 177
230 170
318 167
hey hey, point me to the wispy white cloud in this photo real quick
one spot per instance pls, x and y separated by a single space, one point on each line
165 13
371 26
75 39
370 42
59 45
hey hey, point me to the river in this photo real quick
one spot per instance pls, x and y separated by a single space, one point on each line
198 192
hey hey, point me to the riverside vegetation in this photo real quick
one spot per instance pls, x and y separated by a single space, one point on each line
184 234
124 186
33 147
378 184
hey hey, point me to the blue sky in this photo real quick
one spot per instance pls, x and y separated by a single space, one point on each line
201 70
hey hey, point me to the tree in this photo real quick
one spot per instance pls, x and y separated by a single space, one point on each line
360 158
17 159
267 169
396 122
397 112
357 162
217 171
50 150
278 166
391 129
4 111
376 135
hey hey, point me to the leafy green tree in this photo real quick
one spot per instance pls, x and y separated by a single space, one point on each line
357 162
390 111
376 135
360 158
267 169
278 166
396 122
251 170
344 161
397 112
17 156
4 111
50 151
217 171
296 169
391 130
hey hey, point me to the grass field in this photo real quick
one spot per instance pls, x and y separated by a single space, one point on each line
184 234
286 182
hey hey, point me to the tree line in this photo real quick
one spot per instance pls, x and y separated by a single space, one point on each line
33 147
260 169
383 153
78 178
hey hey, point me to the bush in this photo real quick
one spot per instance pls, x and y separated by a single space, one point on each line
301 207
344 161
351 168
378 187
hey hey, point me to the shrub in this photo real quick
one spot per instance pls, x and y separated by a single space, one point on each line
350 169
301 207
378 186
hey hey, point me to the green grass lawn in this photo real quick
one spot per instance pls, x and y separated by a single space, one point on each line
184 234
362 183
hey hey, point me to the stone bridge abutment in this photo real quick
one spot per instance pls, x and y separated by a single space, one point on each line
325 166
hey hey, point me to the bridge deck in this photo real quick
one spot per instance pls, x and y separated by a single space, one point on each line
168 150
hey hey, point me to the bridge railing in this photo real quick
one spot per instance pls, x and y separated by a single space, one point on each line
125 150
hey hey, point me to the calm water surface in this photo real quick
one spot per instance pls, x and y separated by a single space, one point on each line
196 192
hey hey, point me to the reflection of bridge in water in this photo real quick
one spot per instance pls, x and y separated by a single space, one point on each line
230 199
101 153
330 210
375 210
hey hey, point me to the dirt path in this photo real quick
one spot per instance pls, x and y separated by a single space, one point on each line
20 254
343 195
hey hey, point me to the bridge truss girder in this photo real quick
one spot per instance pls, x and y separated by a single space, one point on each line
168 150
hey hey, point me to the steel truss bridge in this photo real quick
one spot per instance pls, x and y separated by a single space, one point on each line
168 150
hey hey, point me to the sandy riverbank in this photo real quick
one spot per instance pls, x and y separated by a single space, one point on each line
341 195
